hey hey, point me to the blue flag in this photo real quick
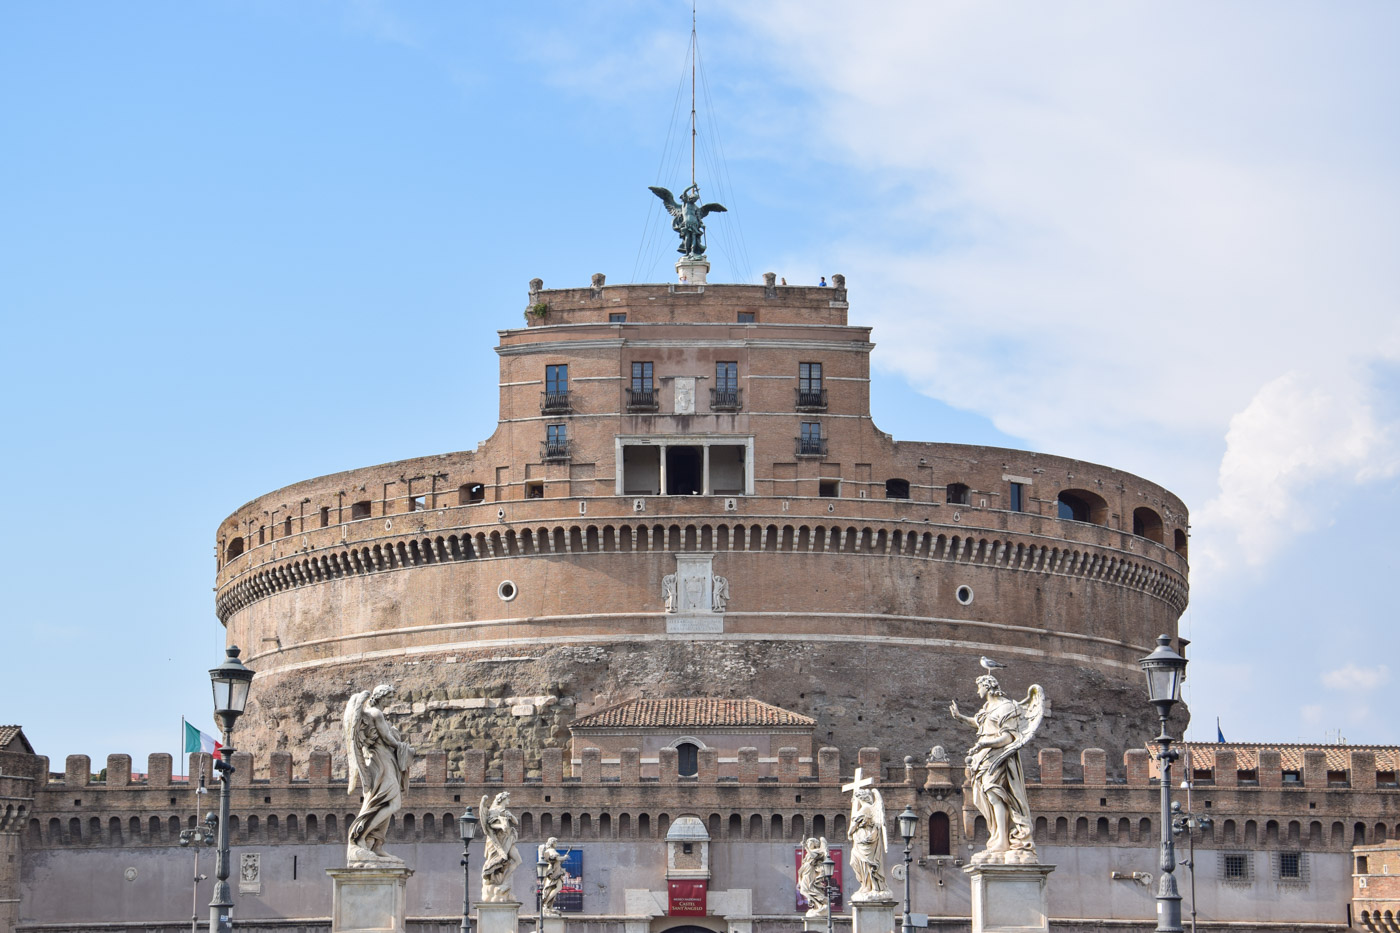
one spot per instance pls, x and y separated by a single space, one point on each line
1219 736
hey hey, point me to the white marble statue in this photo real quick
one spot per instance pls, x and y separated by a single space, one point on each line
379 761
554 874
720 598
869 839
669 592
811 884
500 830
994 769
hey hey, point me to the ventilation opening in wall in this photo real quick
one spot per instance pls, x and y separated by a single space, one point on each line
829 488
964 595
506 590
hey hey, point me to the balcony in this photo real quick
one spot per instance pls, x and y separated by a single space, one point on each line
726 399
642 400
811 447
811 400
555 450
555 403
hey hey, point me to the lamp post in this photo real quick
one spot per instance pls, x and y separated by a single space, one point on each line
231 681
198 836
466 828
828 876
1187 822
541 869
908 826
1165 670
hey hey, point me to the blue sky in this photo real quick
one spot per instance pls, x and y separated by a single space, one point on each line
245 243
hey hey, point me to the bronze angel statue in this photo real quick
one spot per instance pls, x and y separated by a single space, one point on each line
379 761
688 218
994 768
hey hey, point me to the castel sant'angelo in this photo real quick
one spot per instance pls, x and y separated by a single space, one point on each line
686 495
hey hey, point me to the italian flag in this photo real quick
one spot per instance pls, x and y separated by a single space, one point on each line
196 741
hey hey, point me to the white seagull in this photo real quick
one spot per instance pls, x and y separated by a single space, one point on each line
989 665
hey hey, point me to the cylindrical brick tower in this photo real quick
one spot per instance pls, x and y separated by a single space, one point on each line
686 495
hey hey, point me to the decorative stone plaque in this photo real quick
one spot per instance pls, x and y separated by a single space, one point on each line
685 395
695 598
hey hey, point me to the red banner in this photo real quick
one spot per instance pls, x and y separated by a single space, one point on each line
687 898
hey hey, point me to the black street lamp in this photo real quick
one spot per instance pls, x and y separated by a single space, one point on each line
231 681
466 828
828 877
541 869
908 827
1165 670
199 836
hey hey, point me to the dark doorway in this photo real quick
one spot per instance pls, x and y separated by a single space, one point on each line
684 471
687 759
939 840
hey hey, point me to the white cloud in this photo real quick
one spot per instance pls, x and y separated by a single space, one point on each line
1355 677
1157 239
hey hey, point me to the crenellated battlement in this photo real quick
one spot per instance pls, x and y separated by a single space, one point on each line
1087 803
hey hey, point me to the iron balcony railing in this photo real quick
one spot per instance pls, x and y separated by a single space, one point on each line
726 399
641 400
811 400
555 403
811 447
555 450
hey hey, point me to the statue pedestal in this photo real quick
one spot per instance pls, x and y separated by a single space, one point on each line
873 916
369 900
498 917
692 271
552 924
818 924
1009 898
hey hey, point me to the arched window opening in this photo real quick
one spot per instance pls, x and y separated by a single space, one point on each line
687 759
235 547
940 836
1179 539
959 494
1081 505
896 489
1147 524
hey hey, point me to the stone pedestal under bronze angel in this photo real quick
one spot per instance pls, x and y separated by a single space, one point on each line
994 769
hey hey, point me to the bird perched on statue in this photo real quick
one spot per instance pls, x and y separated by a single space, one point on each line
989 665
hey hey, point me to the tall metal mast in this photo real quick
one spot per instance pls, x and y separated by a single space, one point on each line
692 93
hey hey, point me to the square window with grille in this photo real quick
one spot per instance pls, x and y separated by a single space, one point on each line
1291 867
1236 867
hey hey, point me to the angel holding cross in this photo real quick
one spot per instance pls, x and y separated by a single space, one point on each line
994 768
869 839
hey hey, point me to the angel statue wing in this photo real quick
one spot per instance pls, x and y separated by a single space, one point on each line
1032 712
669 200
711 208
880 823
539 852
353 711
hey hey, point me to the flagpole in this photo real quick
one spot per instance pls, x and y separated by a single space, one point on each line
182 746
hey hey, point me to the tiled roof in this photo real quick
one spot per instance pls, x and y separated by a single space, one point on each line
9 733
690 712
1247 755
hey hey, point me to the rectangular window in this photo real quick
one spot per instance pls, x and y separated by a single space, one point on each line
726 377
1362 867
641 377
617 318
287 526
809 377
1290 866
416 504
556 379
557 433
360 509
1234 866
534 490
829 488
811 431
746 317
325 516
1018 497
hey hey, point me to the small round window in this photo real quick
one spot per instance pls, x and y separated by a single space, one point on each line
964 595
507 590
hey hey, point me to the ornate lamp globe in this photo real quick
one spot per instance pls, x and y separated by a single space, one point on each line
828 867
231 681
466 825
1165 670
908 824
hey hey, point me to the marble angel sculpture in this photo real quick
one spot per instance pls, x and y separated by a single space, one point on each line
379 761
811 884
500 830
994 768
869 840
554 874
